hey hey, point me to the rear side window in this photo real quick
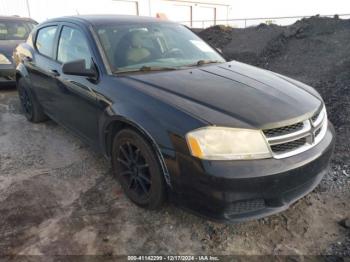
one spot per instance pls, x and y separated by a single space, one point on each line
45 40
73 46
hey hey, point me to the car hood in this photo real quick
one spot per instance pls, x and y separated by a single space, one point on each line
232 94
8 46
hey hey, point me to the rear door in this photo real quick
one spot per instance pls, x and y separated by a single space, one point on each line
42 77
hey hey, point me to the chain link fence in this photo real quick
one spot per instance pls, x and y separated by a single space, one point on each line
246 22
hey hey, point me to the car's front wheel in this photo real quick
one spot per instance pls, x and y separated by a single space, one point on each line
138 170
31 107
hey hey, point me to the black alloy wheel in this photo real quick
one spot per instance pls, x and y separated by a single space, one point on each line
134 169
26 101
138 170
31 107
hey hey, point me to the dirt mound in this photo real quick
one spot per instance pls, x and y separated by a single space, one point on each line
218 36
242 44
315 51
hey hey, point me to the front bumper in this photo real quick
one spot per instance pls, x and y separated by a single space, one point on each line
234 191
7 75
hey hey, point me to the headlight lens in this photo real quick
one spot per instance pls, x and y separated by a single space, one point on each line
220 143
4 60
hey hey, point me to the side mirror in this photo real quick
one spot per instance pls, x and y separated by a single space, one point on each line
78 67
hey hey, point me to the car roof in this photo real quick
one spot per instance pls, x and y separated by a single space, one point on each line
16 18
107 19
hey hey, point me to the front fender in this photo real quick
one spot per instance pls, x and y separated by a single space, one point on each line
144 123
158 119
163 125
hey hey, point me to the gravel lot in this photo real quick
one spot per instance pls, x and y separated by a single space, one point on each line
58 197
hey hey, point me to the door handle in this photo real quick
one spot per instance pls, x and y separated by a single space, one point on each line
54 72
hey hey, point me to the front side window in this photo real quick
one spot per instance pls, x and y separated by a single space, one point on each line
133 46
45 40
15 30
73 46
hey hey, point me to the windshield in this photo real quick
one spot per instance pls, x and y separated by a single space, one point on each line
15 30
153 46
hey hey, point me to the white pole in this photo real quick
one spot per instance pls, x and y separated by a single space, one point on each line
149 8
28 8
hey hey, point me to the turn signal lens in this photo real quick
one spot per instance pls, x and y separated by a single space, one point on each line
195 148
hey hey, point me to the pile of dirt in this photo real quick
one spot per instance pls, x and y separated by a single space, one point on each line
219 36
315 51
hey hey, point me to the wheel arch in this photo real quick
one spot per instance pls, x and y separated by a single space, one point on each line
21 71
118 123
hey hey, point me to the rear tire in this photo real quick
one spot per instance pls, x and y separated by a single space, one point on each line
31 107
138 170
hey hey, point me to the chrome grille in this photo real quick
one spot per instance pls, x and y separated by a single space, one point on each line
318 131
286 147
315 116
293 139
283 130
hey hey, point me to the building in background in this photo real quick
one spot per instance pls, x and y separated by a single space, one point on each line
185 11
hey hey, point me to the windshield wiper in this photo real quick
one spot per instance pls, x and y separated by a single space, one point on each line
146 69
204 62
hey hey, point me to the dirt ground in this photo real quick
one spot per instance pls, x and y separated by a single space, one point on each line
58 197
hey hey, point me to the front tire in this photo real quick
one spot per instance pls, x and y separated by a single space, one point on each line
31 107
137 168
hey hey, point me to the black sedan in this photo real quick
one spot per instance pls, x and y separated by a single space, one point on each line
226 140
13 31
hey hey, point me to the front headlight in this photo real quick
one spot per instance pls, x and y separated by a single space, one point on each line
221 143
4 60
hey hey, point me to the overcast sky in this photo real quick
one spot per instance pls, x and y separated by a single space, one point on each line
268 8
44 9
